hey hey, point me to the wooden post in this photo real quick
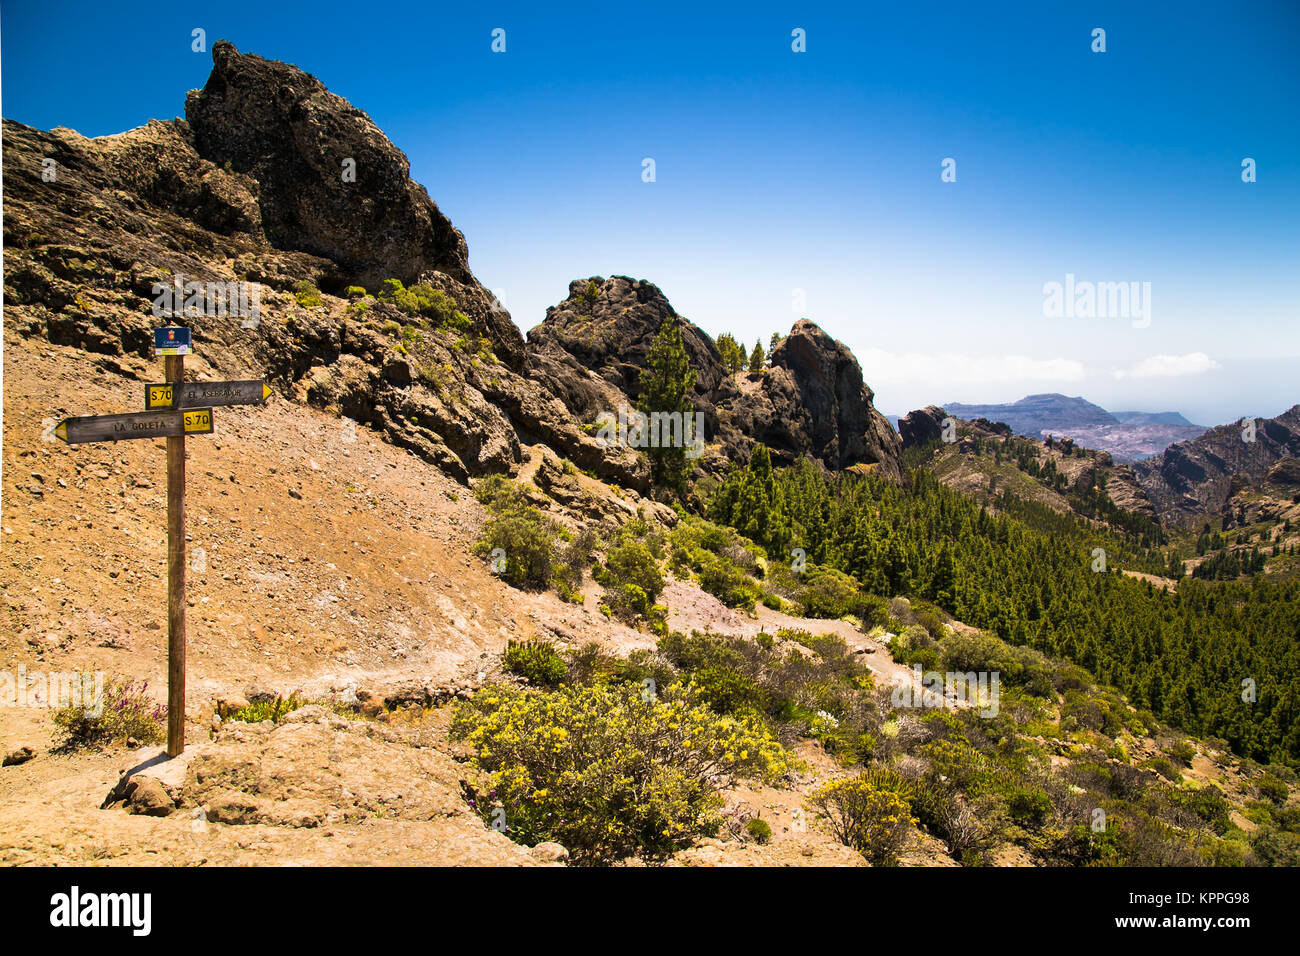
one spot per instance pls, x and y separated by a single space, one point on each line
174 372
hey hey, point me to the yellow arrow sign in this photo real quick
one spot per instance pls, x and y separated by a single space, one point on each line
157 424
205 394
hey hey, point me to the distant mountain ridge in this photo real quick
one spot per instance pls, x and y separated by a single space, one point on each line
1194 479
1129 436
1031 414
1154 418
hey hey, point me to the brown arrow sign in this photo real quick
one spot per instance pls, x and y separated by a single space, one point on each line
164 424
205 394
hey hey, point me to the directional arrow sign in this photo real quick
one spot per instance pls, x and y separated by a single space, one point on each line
206 394
164 424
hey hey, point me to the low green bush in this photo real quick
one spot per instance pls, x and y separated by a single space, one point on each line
307 294
872 821
124 711
759 830
424 300
274 710
522 541
536 660
609 771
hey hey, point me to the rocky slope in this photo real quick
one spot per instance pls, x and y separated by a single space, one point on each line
1193 481
987 459
324 560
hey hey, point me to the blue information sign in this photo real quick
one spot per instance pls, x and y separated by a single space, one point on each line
171 341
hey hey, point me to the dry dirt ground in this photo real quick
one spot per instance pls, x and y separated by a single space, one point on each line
320 560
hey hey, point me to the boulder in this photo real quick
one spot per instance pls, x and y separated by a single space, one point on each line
19 756
922 426
549 853
146 795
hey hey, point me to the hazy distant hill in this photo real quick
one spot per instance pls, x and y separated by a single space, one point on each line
1128 436
1033 413
1153 418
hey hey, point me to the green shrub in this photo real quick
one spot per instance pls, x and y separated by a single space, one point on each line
354 292
125 711
1206 803
980 652
759 830
646 669
499 493
632 563
725 563
1272 788
609 771
274 710
830 594
725 581
591 665
526 539
535 660
307 294
872 821
572 563
930 619
700 650
1163 767
1273 847
1182 751
424 300
727 691
1029 807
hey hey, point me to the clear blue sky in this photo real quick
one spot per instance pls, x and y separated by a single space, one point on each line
818 171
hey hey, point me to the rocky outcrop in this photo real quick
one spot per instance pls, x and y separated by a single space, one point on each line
1285 472
1195 479
330 183
810 401
608 326
922 426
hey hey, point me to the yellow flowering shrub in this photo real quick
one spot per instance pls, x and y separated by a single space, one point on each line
873 821
609 771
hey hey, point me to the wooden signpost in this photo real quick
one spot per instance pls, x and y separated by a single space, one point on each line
206 394
76 431
173 409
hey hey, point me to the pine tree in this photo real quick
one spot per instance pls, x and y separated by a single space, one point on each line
666 386
732 352
756 357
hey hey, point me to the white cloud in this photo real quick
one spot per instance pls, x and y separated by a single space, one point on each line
953 367
1165 366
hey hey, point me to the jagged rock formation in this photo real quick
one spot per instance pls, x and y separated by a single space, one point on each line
922 426
811 400
1193 480
250 188
281 127
608 326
